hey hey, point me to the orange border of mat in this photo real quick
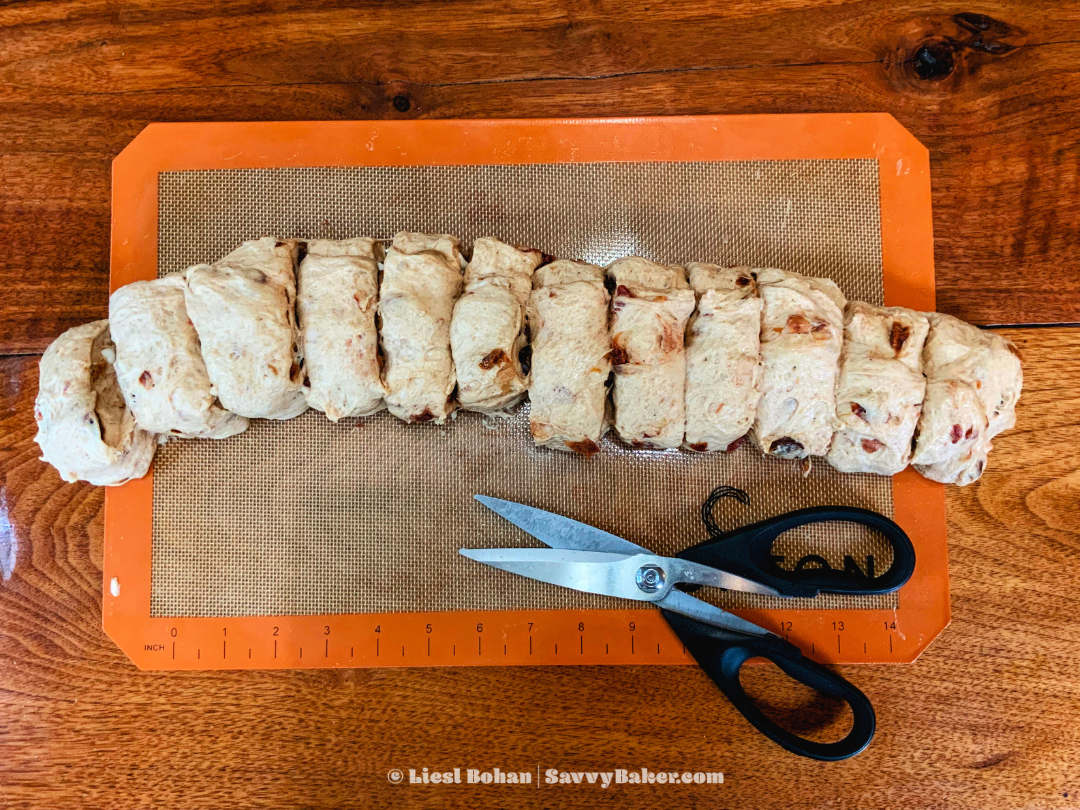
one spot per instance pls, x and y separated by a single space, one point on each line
518 637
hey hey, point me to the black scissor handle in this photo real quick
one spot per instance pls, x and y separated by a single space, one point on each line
721 653
748 553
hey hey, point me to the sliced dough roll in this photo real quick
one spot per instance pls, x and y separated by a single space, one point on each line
881 388
487 332
723 357
571 357
84 429
802 327
159 364
421 281
242 309
973 381
650 308
336 306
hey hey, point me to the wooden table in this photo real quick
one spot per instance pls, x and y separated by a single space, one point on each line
987 718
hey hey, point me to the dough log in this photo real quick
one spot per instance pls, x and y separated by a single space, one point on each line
84 428
421 281
973 382
159 364
242 309
802 327
881 388
723 357
336 306
650 308
487 333
571 357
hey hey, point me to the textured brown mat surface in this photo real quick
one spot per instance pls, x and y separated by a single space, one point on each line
306 516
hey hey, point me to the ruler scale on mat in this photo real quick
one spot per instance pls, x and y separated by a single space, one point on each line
309 544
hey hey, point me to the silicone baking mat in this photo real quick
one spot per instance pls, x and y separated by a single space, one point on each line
306 518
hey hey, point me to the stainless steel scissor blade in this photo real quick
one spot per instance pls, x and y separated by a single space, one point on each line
640 577
558 531
587 559
563 533
590 571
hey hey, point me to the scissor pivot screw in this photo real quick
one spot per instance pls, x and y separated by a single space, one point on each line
650 578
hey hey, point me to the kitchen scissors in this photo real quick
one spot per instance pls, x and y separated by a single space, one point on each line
585 558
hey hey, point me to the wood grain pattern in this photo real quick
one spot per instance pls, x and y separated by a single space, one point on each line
986 718
994 95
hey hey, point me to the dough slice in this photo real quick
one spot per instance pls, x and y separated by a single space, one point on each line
421 281
802 327
956 443
336 306
974 378
159 365
84 429
242 309
650 308
723 357
571 357
488 332
881 388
